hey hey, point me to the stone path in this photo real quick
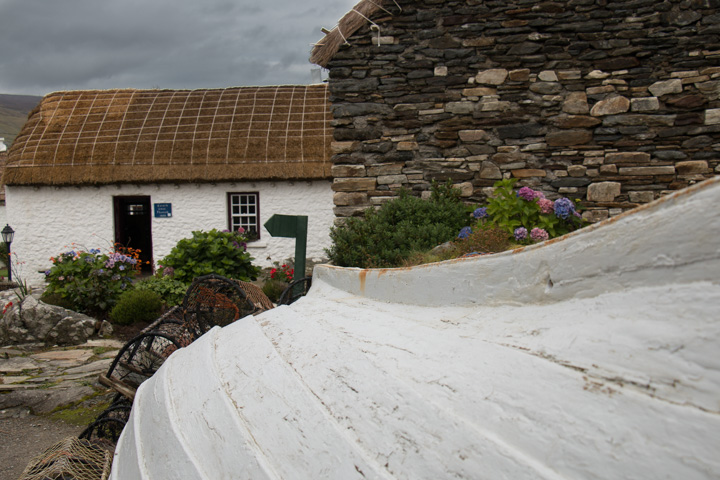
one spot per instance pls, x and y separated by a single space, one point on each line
38 384
46 379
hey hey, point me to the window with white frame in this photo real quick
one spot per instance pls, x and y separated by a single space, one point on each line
244 211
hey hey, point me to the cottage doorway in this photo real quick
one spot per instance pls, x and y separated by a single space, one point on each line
133 222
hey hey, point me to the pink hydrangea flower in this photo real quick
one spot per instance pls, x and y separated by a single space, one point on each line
546 206
539 234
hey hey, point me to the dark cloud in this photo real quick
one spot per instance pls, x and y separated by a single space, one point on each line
94 44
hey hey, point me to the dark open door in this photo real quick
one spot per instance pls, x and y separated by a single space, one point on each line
133 226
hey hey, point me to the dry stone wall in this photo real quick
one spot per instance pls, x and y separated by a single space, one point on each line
611 102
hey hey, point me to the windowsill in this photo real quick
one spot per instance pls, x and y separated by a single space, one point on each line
257 244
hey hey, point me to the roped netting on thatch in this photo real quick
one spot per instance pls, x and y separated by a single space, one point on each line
109 136
358 16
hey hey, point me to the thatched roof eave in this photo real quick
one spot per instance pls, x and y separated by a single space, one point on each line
143 175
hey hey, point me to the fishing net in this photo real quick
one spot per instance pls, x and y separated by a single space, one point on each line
71 458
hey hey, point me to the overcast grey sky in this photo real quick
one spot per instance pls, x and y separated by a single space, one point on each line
51 45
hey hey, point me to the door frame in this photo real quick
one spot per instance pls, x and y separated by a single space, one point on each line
120 221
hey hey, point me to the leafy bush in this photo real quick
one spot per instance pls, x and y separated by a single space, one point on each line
170 290
401 227
526 215
91 281
135 306
220 252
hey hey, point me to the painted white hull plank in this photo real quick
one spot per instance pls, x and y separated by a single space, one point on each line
572 359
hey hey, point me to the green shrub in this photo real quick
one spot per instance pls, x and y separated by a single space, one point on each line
400 228
136 306
167 287
91 281
223 253
274 288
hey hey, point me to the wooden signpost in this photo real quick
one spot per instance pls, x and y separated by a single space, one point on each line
292 226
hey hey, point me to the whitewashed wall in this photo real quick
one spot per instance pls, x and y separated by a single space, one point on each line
3 216
47 220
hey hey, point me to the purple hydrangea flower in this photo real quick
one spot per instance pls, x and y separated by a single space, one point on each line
480 212
539 195
539 234
465 232
520 233
526 193
564 208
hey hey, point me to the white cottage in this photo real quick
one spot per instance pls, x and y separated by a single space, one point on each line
145 168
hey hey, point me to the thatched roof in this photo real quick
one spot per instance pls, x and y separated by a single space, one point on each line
350 23
141 136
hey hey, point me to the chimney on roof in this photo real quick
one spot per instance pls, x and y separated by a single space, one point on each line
316 76
3 147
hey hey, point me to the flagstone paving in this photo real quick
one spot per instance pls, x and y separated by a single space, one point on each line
47 379
37 383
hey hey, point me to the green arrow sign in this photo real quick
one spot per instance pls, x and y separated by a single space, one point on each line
291 226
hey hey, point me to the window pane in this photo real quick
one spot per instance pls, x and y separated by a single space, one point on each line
243 211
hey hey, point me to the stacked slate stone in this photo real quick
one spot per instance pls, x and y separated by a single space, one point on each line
611 102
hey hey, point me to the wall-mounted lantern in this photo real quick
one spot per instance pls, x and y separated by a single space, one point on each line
7 235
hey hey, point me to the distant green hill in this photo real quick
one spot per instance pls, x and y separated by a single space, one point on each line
14 111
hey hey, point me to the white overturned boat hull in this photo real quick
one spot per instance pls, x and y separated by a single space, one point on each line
593 356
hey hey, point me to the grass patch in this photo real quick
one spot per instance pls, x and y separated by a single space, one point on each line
47 385
101 350
83 412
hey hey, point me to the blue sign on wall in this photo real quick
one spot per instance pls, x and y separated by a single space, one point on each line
163 210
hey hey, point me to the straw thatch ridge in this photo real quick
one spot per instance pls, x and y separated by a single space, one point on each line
147 136
350 23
